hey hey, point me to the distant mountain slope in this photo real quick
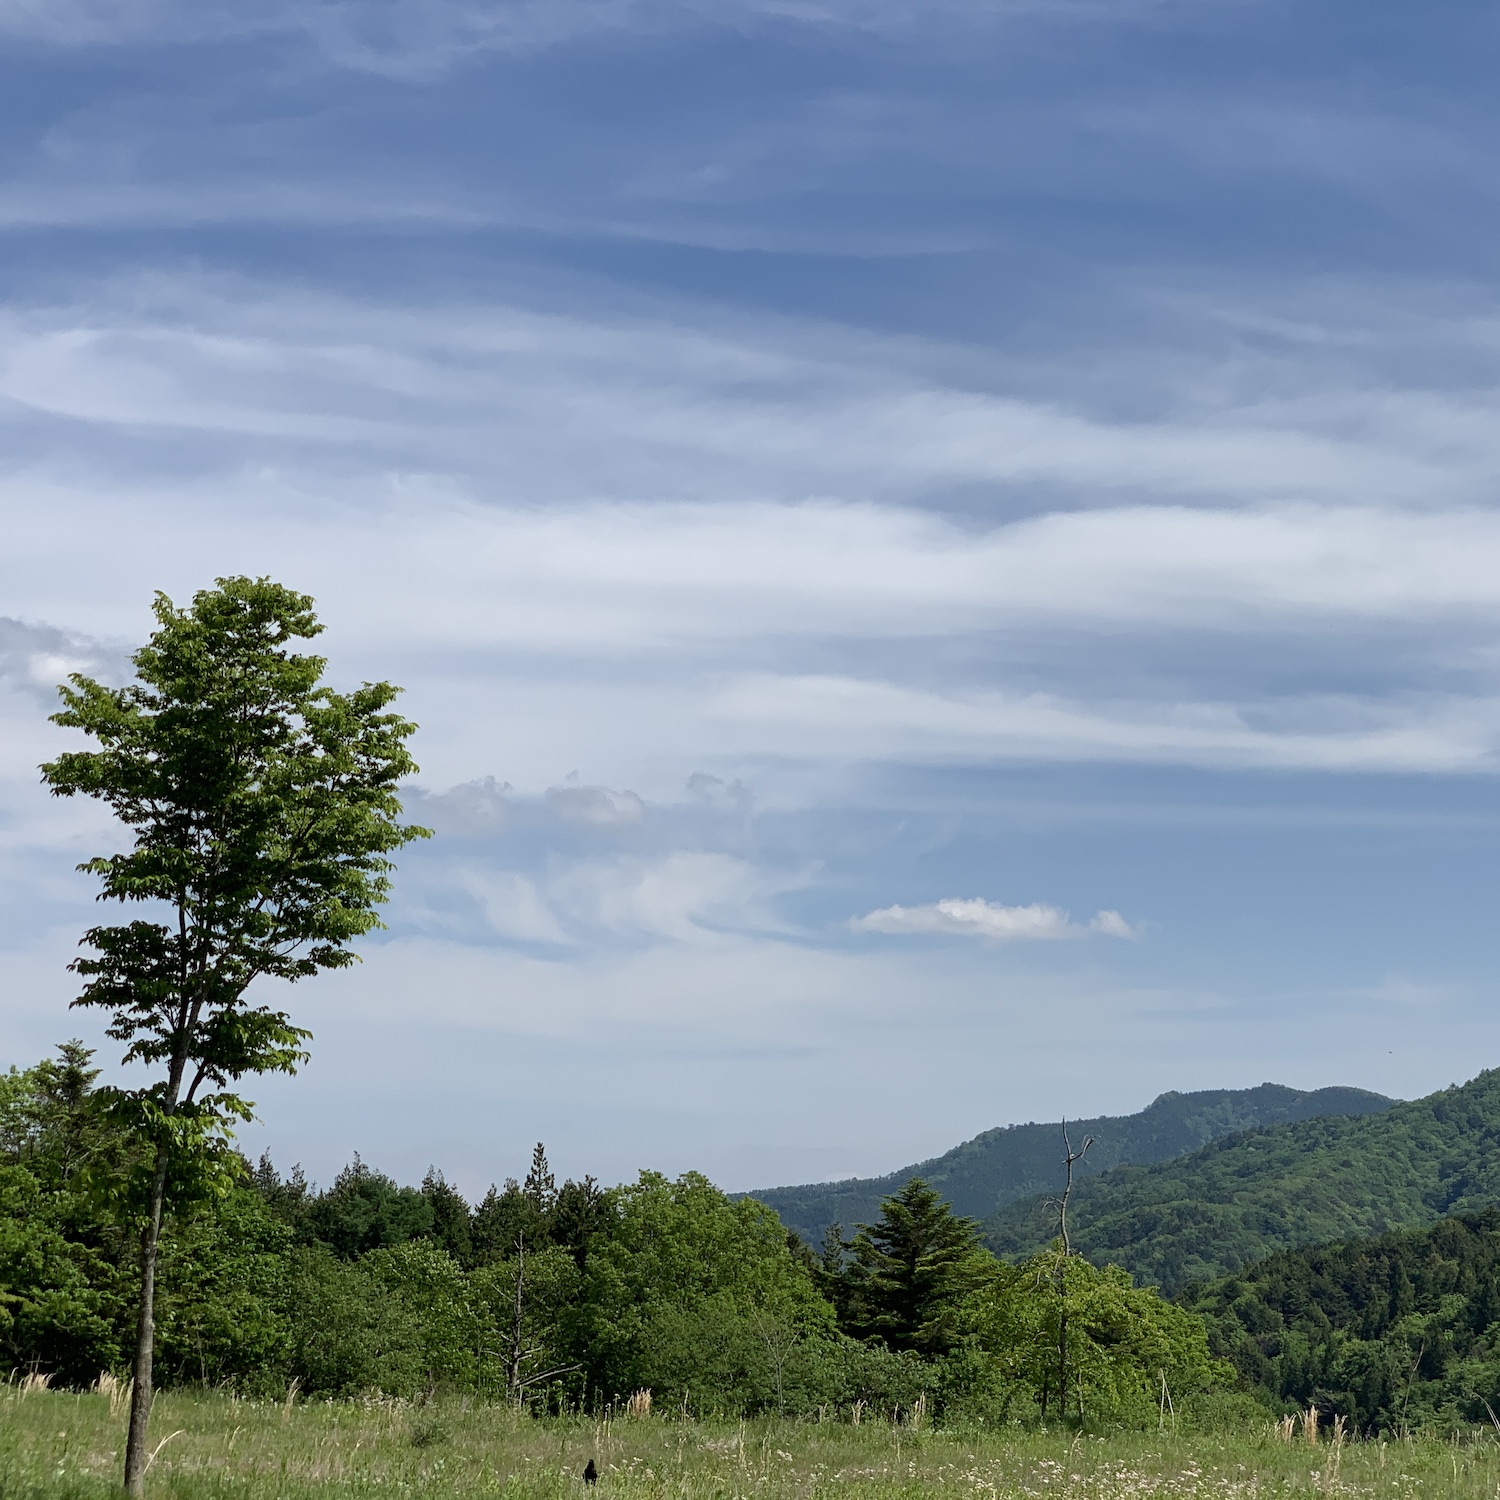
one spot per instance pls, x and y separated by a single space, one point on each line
1398 1331
1246 1196
1013 1161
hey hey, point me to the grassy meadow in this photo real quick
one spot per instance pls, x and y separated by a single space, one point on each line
67 1446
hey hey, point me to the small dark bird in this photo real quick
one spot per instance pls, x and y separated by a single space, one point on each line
591 1474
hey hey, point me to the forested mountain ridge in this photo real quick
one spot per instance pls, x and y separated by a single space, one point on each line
1397 1332
1245 1196
1015 1161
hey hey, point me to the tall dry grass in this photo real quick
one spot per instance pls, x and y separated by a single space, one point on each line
67 1446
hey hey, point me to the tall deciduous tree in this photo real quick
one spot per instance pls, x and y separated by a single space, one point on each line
262 807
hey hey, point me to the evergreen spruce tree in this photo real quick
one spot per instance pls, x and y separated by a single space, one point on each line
540 1187
503 1219
580 1212
906 1273
452 1219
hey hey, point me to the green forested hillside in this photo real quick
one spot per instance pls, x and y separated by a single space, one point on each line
1246 1196
1397 1332
1013 1161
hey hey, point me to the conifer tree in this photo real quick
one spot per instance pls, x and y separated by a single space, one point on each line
540 1187
580 1212
907 1272
452 1219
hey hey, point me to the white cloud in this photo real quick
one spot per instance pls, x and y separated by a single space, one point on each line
36 658
512 906
1424 732
975 917
578 537
675 896
597 805
588 541
476 809
683 896
650 642
526 406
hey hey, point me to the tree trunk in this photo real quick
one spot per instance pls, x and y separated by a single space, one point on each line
145 1339
517 1328
1062 1364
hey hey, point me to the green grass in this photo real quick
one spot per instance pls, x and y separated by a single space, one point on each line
61 1446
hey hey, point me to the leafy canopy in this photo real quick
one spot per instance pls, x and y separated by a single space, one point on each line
1127 1348
262 807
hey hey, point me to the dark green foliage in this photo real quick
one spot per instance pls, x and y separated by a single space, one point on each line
289 1197
54 1293
221 1312
1399 1331
68 1271
540 1188
61 1280
663 1285
1243 1197
505 1219
905 1273
365 1210
1016 1161
348 1334
697 1298
580 1212
451 1218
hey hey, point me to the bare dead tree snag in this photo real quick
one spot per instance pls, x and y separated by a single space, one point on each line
1070 1159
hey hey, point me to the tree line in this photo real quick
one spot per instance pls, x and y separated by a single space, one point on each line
559 1296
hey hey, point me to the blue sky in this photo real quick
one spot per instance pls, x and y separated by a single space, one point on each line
945 555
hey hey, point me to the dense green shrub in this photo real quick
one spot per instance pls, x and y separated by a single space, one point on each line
347 1335
1056 1336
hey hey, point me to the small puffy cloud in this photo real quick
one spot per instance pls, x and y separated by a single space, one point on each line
1111 924
955 917
35 658
475 809
714 791
596 805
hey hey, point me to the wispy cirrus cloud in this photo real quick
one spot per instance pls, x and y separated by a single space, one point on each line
687 546
582 904
420 39
990 920
667 404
